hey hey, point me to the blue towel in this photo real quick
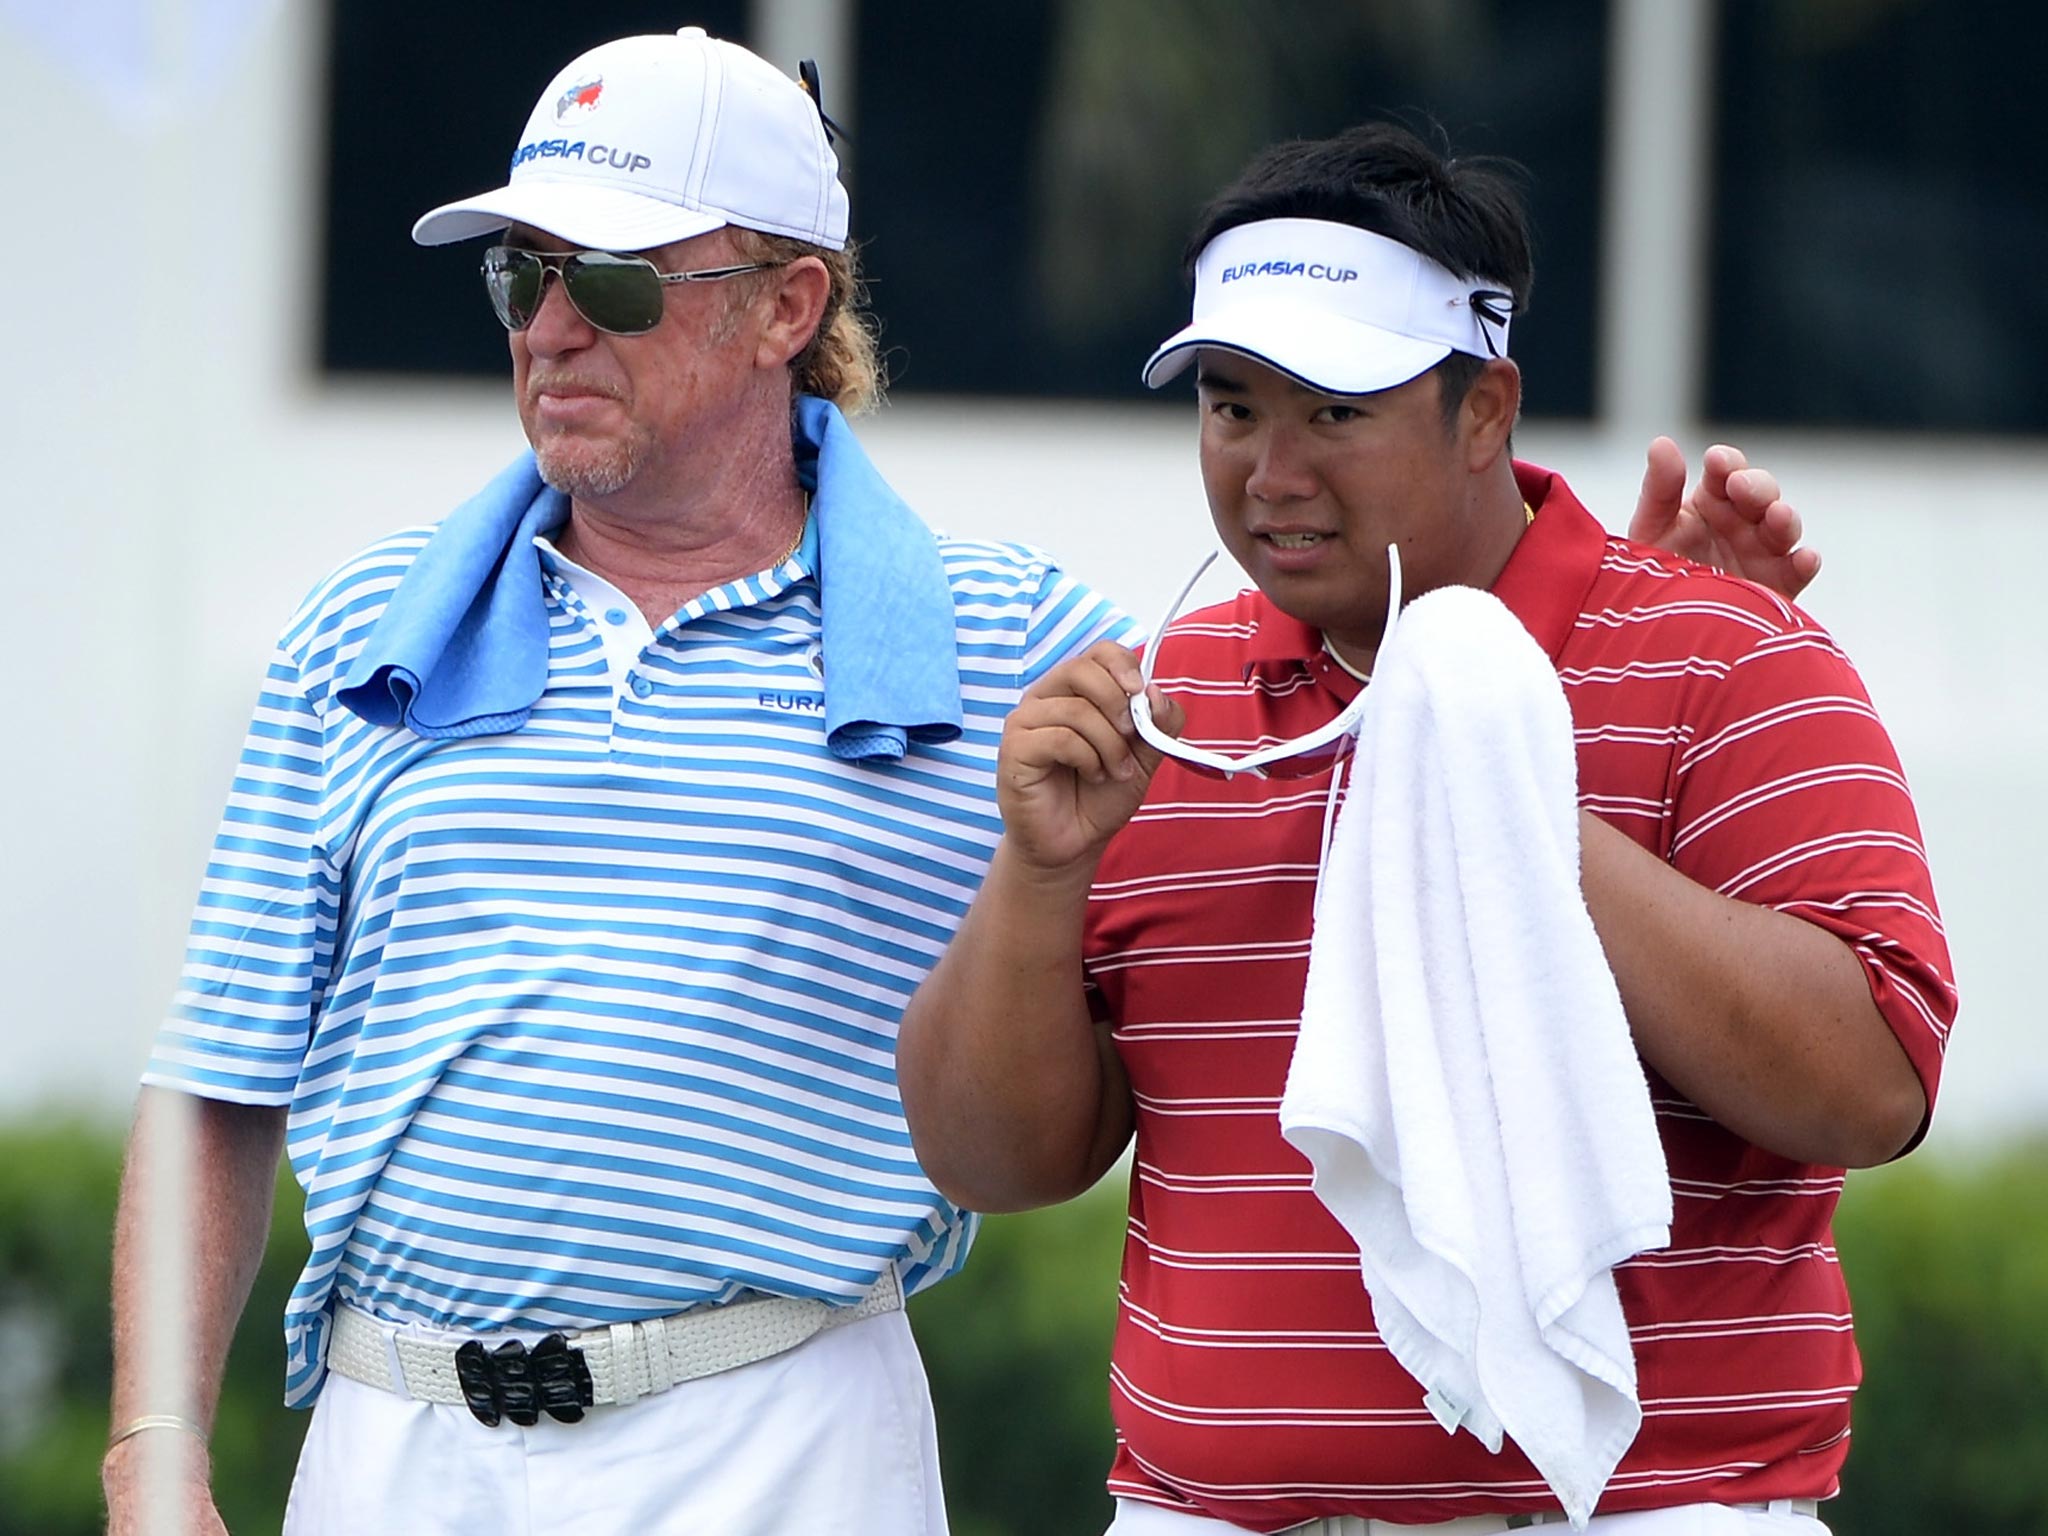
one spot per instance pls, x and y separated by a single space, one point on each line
462 648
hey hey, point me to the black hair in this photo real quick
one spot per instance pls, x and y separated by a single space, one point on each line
1464 214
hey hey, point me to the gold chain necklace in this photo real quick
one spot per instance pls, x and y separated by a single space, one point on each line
796 543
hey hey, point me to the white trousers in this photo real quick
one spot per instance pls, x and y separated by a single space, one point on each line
1135 1518
832 1438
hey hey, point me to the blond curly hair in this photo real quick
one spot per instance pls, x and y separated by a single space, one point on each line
842 362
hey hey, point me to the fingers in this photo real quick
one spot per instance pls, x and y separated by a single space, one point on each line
1659 502
1751 493
1719 462
1758 531
1074 733
1778 526
1754 488
1106 672
1166 712
1071 769
1727 475
1804 565
1755 497
1079 717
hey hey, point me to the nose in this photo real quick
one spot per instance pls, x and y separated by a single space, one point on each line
1280 468
557 328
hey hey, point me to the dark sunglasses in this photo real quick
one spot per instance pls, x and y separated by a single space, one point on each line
619 294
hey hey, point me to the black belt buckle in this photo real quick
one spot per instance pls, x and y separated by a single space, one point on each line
520 1384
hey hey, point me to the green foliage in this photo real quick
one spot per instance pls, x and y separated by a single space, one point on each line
57 1187
1948 1272
1948 1263
56 1205
1017 1348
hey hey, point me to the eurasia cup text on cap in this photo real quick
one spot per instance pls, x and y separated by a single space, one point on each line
649 140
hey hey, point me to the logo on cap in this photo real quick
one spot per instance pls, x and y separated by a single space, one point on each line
579 100
1288 267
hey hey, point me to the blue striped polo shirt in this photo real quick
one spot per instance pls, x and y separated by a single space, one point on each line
595 1020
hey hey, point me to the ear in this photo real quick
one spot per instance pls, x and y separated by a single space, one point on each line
1486 416
796 303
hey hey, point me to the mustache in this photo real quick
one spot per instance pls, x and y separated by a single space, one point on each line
569 384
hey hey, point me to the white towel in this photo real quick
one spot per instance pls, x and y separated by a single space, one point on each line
1464 1084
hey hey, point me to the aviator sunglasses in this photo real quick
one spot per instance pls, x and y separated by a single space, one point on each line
1301 756
619 294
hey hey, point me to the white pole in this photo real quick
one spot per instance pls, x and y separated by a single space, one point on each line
786 32
1652 360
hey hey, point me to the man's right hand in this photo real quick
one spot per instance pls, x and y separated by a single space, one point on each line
1071 769
135 1506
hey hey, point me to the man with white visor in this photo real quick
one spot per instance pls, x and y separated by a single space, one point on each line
1142 960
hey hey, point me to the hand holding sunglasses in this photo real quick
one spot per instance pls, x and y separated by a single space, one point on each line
1312 752
618 293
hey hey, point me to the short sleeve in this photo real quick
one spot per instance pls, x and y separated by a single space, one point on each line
1789 794
261 946
1066 619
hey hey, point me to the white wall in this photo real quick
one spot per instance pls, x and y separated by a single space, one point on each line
179 475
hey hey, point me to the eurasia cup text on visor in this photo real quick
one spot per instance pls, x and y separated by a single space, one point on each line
1339 308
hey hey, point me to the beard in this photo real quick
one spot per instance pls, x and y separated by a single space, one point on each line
583 469
579 463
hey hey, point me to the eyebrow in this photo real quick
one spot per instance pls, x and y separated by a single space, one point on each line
1208 378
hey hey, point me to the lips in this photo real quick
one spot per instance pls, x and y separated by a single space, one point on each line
1292 538
1294 551
568 389
570 405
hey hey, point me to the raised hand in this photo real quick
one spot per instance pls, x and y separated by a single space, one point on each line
1734 519
1071 769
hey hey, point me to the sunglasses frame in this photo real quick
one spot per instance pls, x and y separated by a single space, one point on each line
1345 723
499 259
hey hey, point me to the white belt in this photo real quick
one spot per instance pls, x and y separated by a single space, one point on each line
625 1362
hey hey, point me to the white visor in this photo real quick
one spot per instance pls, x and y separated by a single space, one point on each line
1339 308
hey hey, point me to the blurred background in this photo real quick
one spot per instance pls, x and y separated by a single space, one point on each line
1815 227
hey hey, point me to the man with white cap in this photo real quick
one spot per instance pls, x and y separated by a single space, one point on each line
584 853
1136 962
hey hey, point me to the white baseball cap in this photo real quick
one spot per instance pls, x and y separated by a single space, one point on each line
1339 308
648 140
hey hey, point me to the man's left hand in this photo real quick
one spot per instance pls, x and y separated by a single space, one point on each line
1734 519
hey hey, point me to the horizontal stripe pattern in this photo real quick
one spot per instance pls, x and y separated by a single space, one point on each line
1718 727
595 1020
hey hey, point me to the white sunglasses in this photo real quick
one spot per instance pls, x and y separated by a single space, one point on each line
1333 738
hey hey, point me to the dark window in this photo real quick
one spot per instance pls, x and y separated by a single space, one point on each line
426 103
1879 220
1027 173
1023 176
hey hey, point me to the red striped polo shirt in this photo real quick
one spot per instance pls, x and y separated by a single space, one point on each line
1718 727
